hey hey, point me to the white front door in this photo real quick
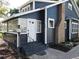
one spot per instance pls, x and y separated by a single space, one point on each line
31 30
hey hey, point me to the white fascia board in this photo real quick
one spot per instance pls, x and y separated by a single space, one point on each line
23 13
56 4
47 1
74 19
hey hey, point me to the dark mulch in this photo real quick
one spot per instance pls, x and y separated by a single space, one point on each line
60 47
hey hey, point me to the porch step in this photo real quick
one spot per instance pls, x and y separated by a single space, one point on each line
33 48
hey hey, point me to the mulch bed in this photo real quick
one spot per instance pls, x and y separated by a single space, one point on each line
62 47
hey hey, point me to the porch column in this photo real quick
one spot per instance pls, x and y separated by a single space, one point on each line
70 29
59 27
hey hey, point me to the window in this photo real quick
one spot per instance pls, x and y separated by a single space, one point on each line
70 6
65 25
23 25
39 26
12 25
4 27
26 8
51 23
74 27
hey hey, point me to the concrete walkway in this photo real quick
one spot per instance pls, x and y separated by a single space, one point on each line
51 53
56 54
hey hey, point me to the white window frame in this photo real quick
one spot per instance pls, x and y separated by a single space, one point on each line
65 24
70 6
50 19
74 23
40 26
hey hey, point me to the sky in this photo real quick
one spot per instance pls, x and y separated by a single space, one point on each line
16 3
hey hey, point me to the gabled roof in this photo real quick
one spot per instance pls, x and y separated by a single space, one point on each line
37 1
75 7
24 13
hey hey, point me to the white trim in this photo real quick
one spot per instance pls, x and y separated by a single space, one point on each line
74 32
73 19
18 41
33 5
50 19
70 29
56 4
40 25
70 6
47 1
23 13
46 26
65 24
74 23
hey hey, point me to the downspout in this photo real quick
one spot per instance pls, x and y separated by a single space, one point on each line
45 25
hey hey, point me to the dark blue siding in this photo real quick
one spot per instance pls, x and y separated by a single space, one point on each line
70 13
39 15
51 13
23 39
41 4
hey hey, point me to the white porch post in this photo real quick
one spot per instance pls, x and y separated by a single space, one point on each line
18 36
45 25
70 29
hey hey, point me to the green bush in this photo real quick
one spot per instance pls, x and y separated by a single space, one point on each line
1 35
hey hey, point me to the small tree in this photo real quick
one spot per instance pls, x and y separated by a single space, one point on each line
13 11
3 11
3 8
78 2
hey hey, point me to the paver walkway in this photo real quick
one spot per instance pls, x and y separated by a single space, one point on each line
56 54
51 53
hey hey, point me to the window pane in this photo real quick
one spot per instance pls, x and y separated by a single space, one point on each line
12 25
38 26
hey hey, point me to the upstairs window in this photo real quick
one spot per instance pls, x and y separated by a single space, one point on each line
70 6
26 8
65 25
51 23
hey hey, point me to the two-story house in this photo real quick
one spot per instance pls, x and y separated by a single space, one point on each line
43 22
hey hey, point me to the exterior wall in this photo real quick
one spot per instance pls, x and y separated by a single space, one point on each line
39 15
41 4
52 13
70 13
23 40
